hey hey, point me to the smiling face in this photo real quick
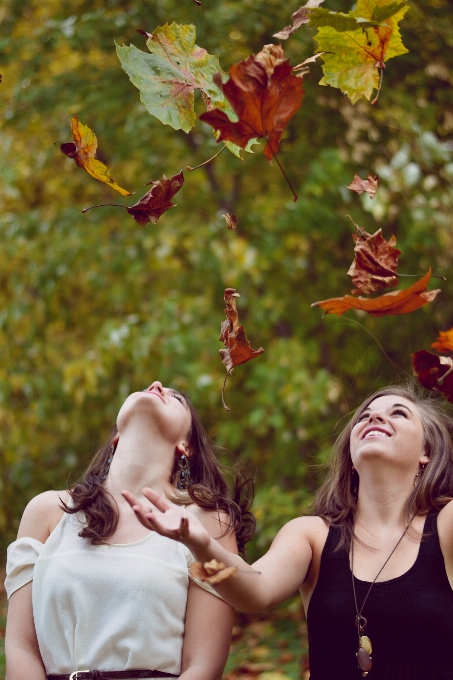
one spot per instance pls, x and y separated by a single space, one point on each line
161 409
389 428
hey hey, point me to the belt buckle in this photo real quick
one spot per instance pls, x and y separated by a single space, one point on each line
73 675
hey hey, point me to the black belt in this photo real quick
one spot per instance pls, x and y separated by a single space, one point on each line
107 675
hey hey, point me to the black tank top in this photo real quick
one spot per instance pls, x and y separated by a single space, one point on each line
410 618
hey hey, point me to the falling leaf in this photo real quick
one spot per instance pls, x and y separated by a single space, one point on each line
238 349
270 57
444 343
231 221
154 203
360 185
83 151
375 262
263 103
299 18
168 77
359 54
213 572
397 302
303 68
433 372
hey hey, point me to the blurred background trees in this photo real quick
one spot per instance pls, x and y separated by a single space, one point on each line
93 307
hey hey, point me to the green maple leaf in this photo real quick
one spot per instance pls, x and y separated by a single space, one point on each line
168 77
359 54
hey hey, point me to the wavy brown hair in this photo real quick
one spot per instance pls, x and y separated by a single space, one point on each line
208 489
336 500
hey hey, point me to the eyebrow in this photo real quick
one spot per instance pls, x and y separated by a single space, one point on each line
393 406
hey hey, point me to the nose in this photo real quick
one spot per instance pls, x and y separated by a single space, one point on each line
377 416
156 386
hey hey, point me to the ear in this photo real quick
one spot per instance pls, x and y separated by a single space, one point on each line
423 460
116 439
183 449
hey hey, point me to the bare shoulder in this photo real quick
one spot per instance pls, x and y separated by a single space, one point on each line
216 523
42 515
310 528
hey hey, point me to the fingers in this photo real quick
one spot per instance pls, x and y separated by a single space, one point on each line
130 498
156 499
183 530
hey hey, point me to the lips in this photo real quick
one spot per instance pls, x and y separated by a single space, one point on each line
372 432
156 394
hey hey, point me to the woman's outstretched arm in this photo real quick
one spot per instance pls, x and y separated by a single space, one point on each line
269 581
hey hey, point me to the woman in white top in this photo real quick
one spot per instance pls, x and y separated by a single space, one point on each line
95 595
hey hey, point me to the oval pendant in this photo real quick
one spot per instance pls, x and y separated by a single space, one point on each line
365 642
364 659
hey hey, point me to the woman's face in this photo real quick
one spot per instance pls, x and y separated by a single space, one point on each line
389 428
162 408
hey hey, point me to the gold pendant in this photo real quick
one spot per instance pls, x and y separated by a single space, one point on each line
365 642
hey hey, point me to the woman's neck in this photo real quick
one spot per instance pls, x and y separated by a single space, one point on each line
140 460
382 500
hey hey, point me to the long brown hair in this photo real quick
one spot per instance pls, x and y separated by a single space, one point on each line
337 498
208 489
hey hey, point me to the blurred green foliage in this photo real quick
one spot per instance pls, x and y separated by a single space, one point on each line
94 306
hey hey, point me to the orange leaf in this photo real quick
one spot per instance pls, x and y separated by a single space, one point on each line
444 342
360 185
264 97
238 349
433 372
83 151
375 262
397 302
213 572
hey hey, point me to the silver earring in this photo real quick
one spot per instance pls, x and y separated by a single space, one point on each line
422 469
183 478
109 462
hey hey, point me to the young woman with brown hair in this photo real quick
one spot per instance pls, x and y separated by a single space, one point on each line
93 595
374 565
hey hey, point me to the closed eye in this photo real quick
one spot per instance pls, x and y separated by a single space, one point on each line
362 416
178 397
400 411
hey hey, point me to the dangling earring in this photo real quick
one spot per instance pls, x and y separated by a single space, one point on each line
183 476
109 462
422 469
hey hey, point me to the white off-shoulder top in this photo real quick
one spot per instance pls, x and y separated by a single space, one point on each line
104 607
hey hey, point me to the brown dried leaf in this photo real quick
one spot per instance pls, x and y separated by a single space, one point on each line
433 372
375 262
444 342
263 103
270 57
360 185
157 200
212 572
231 221
303 68
397 302
299 18
83 152
238 349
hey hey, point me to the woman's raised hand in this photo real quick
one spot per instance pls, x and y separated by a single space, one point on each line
168 519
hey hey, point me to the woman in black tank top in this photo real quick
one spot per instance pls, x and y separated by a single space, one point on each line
374 565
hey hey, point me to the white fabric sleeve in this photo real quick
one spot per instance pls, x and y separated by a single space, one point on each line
20 563
203 584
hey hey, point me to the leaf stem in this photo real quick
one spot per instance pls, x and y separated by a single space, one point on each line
209 159
295 197
414 276
379 88
103 205
223 393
